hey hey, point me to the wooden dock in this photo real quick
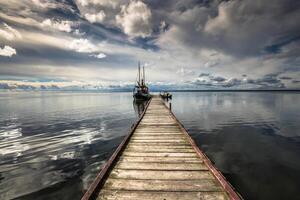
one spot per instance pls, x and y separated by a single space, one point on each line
159 160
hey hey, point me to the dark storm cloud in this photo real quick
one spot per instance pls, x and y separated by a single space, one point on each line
202 83
68 10
240 43
269 81
277 47
217 78
269 78
239 28
203 74
285 78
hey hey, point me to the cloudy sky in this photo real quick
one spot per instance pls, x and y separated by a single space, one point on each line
187 44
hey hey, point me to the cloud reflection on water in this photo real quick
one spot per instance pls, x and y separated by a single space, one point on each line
252 137
53 138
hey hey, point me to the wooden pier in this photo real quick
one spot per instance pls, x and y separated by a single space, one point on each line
159 160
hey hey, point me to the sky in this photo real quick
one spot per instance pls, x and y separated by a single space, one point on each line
183 44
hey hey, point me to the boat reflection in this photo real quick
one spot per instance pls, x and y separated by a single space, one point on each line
139 107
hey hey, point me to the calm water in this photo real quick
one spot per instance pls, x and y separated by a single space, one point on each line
52 144
253 138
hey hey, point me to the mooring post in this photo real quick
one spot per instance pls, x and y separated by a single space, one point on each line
170 105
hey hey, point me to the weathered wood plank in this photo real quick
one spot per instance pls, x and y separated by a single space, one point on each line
160 141
157 150
169 154
166 134
149 146
163 185
158 137
165 144
160 174
160 166
154 195
161 159
158 132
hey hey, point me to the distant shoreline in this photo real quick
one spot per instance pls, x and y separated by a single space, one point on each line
298 90
154 91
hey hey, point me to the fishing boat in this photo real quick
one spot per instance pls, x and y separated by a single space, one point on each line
141 91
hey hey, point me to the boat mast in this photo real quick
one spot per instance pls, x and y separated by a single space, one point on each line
139 83
144 75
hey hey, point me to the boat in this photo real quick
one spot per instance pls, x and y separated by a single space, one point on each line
166 95
141 91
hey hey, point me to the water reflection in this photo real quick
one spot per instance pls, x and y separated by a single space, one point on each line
139 107
52 145
253 138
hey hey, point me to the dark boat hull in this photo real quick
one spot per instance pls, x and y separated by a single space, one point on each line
141 96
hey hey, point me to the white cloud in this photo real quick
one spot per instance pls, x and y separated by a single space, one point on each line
99 17
83 2
78 33
65 26
135 19
83 46
100 55
37 39
107 3
42 4
46 4
9 33
185 72
7 51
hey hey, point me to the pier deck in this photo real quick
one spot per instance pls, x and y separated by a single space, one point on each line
159 160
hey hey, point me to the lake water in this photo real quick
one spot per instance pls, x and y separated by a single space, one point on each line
52 144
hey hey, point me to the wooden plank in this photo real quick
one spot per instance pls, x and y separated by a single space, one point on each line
153 137
167 150
149 146
159 126
164 144
156 130
161 159
167 144
153 130
160 141
163 185
154 121
169 154
157 134
160 174
160 166
154 195
157 118
157 150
